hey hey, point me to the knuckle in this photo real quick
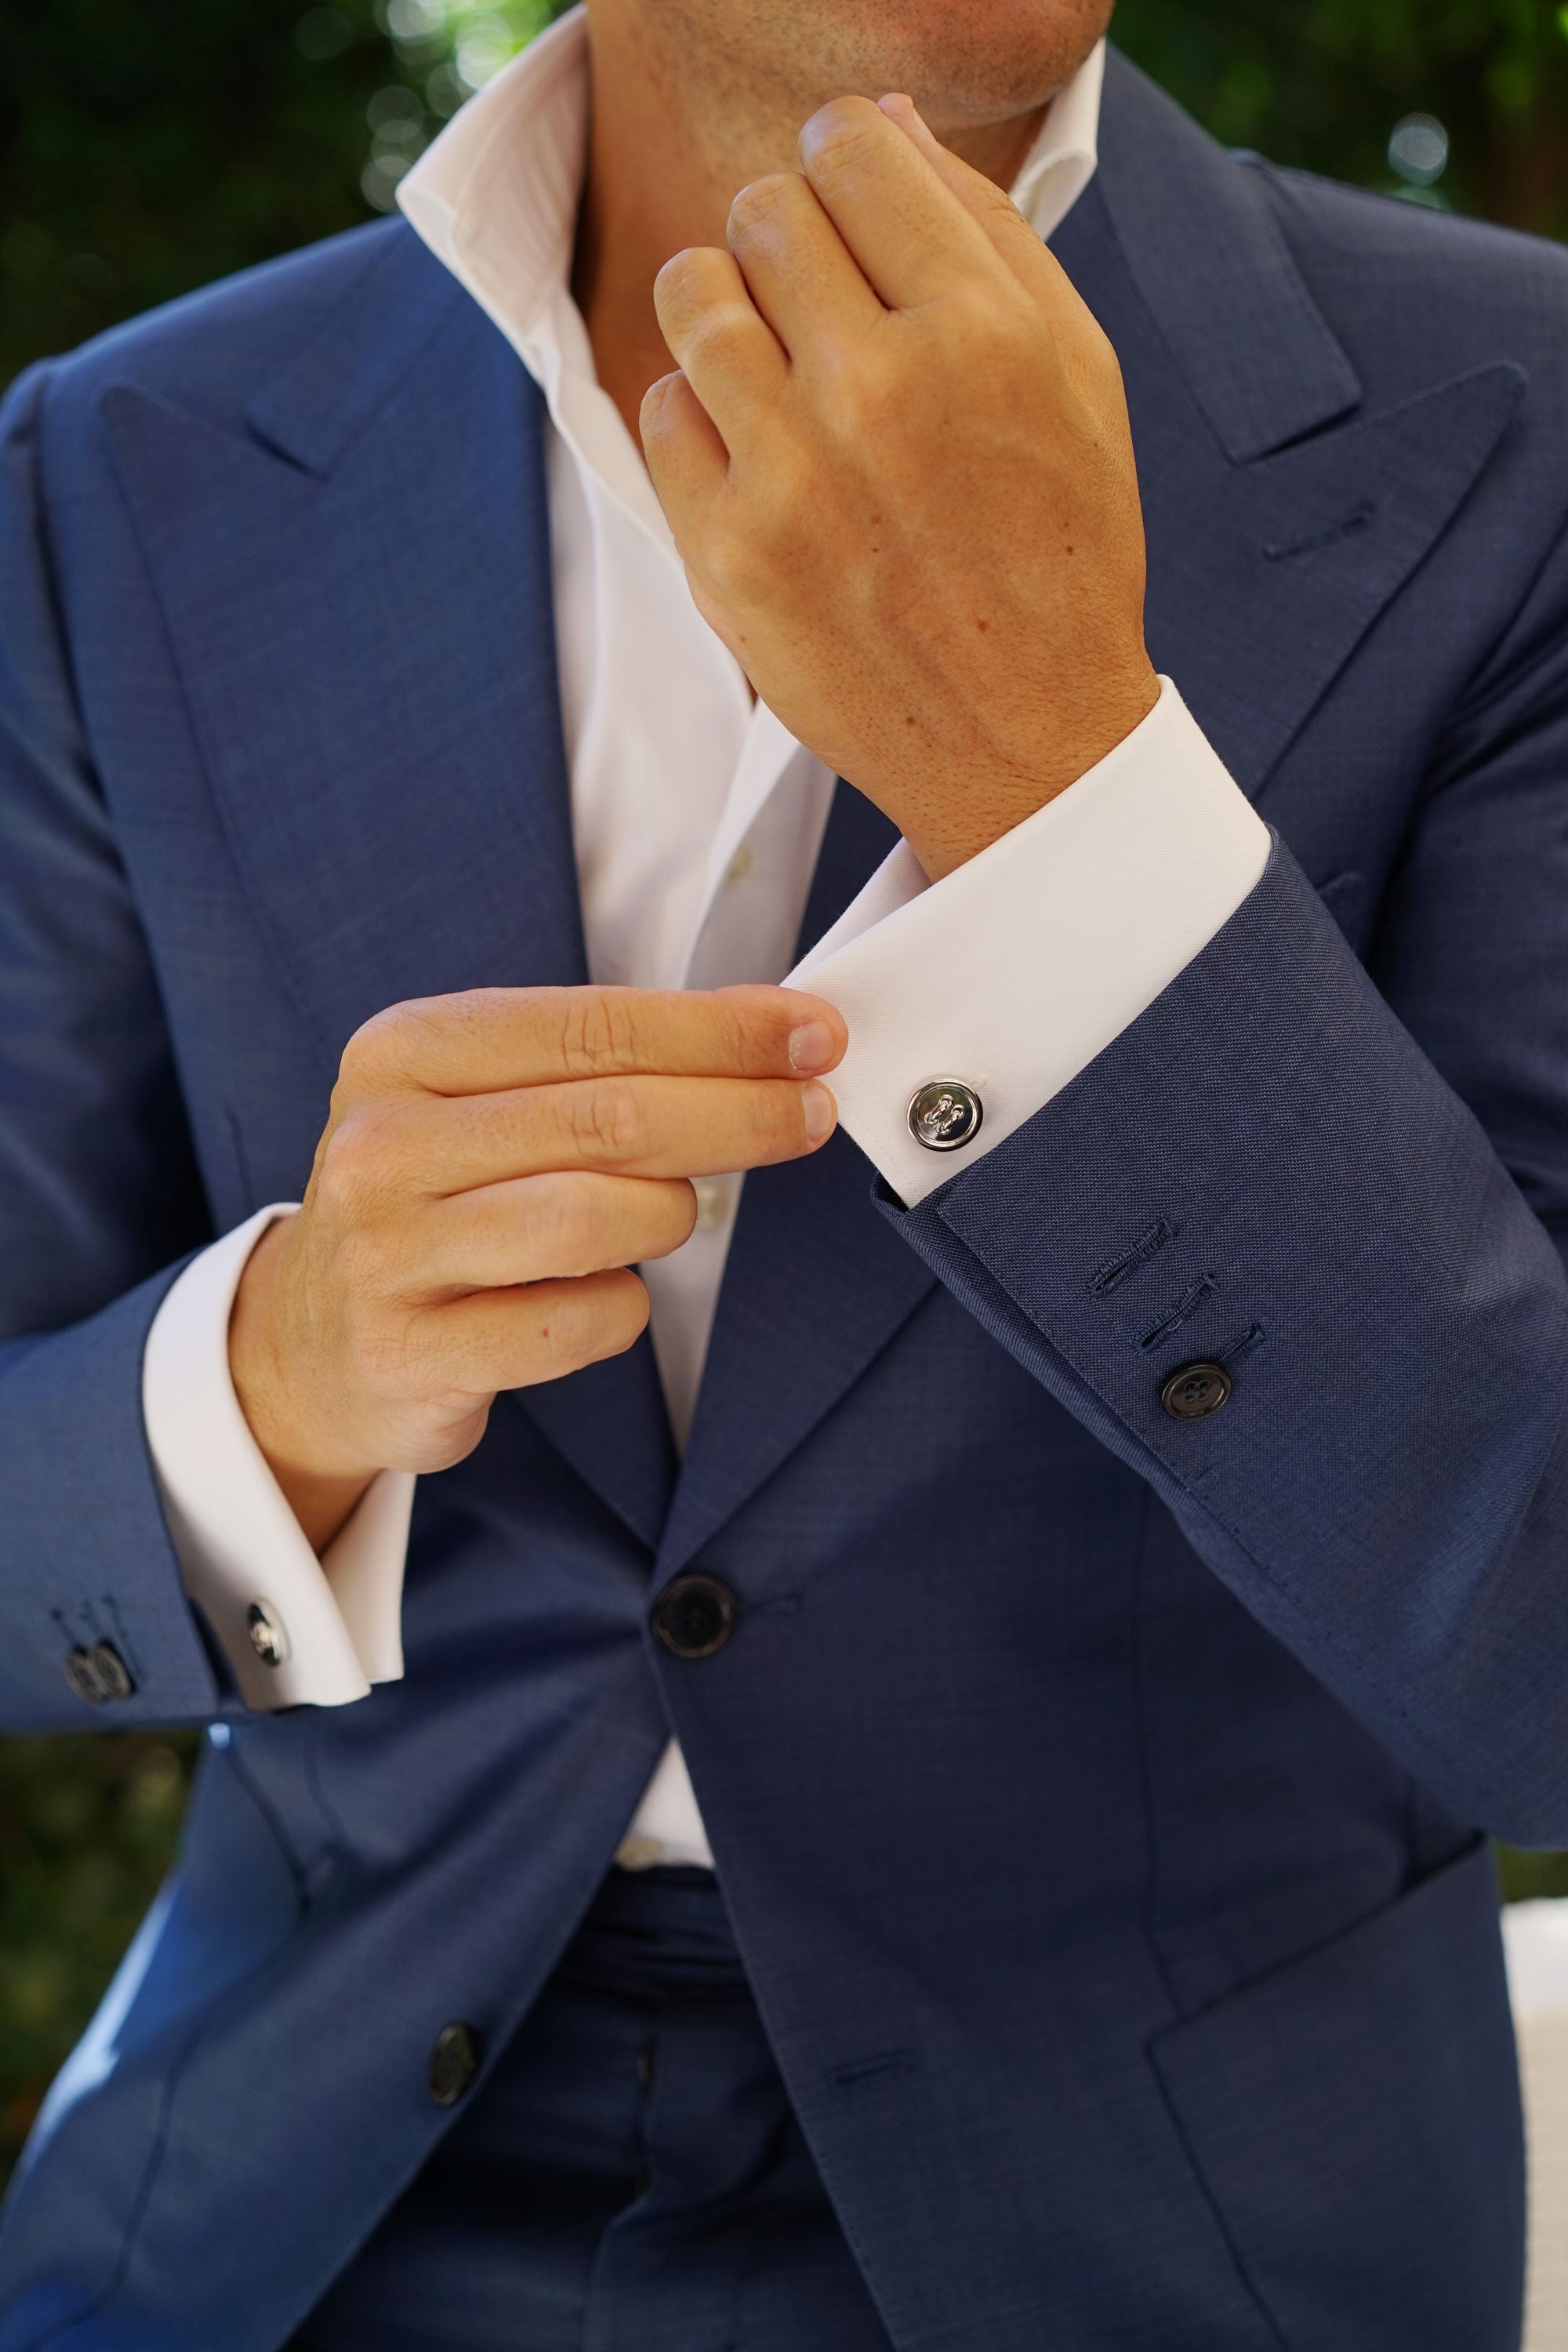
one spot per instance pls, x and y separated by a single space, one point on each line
606 1119
843 132
762 202
351 1172
594 1318
599 1032
562 1222
368 1054
683 283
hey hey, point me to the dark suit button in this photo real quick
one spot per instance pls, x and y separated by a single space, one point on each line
1195 1392
453 2062
81 1673
113 1673
695 1616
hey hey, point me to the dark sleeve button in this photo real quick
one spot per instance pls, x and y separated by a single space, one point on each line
1195 1392
453 2062
83 1676
945 1115
113 1673
695 1616
99 1674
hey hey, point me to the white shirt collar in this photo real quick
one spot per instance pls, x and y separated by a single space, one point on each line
496 195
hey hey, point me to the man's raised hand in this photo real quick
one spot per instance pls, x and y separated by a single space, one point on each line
898 466
493 1165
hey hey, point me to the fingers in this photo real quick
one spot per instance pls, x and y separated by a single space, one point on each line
636 1126
912 236
687 459
495 1339
800 273
491 1038
989 206
537 1227
725 349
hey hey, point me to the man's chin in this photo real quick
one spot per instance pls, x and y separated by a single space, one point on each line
964 62
980 62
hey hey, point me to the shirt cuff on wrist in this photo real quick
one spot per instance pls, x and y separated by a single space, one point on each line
298 1631
1014 971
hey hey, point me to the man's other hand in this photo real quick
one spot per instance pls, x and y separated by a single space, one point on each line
898 466
494 1166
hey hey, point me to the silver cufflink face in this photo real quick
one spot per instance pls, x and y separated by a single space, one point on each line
268 1637
944 1115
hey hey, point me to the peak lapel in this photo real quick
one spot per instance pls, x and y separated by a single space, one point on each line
1281 519
358 595
816 1284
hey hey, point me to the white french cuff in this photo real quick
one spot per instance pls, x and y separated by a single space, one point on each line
298 1631
1014 971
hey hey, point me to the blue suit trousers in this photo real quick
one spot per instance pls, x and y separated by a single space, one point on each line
630 2178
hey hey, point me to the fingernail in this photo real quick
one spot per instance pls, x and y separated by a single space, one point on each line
821 1114
899 104
812 1046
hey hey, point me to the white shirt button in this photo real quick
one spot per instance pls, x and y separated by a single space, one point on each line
712 1202
740 866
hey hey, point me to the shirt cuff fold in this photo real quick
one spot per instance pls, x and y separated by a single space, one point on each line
1014 971
328 1628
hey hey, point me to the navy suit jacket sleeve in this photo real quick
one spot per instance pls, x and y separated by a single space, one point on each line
1350 1186
99 1197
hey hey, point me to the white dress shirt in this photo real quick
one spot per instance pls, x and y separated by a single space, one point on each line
697 819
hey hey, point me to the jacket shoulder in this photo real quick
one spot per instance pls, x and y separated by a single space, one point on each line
1416 295
209 352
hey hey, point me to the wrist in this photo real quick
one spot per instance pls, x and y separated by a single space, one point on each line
321 1488
962 823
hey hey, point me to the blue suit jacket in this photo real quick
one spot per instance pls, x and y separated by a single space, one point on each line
1096 1795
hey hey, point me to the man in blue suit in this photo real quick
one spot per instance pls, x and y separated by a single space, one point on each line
934 1797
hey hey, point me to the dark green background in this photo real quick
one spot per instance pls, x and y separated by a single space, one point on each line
149 145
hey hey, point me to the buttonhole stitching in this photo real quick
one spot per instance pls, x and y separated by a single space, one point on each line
1253 1337
856 2071
1172 1318
1279 551
1116 1270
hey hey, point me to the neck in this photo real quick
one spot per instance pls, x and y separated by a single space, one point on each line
670 141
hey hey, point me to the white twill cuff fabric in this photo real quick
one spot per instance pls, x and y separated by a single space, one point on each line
1014 972
239 1544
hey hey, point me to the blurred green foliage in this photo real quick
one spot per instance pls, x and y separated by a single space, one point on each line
87 1829
147 146
1323 84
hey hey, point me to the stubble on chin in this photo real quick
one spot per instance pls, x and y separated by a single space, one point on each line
769 64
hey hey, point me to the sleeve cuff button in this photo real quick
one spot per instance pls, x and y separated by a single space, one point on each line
1195 1392
99 1674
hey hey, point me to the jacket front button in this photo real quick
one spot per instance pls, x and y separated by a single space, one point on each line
1195 1392
453 2062
695 1616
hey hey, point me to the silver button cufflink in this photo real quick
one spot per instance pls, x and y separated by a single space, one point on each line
267 1638
945 1115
